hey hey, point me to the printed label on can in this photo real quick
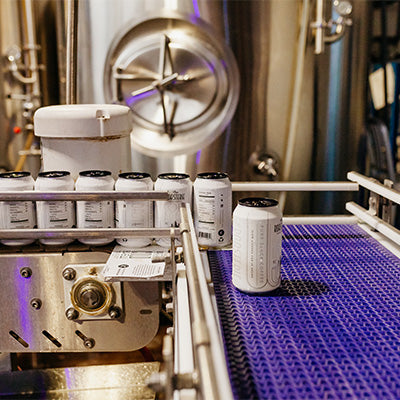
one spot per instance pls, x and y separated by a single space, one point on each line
134 214
17 214
55 214
257 242
95 214
257 251
213 213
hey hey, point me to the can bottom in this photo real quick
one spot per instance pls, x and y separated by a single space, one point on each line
135 243
55 242
22 242
164 242
248 289
97 241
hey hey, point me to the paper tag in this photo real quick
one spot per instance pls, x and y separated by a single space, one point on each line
377 85
125 264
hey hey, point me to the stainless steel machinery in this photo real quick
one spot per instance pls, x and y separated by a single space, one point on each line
229 86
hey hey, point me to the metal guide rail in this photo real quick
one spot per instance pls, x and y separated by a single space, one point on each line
80 232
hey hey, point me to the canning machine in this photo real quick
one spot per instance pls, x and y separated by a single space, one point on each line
188 87
329 330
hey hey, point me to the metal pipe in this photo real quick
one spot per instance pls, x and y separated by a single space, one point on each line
32 195
32 47
201 336
77 233
319 27
72 50
375 222
375 186
209 354
320 220
293 186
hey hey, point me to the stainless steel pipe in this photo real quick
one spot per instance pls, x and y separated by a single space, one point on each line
32 195
78 233
200 332
72 51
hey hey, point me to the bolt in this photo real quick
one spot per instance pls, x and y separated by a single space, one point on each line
89 343
114 312
25 272
69 274
36 303
71 314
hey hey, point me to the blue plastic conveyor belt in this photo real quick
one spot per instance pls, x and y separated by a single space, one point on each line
331 331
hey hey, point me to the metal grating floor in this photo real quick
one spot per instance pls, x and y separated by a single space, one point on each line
331 331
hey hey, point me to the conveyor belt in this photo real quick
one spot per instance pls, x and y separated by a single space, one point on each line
331 331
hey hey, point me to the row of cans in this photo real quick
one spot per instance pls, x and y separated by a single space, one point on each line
212 201
257 222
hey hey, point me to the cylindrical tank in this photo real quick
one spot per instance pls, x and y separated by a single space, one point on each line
84 137
263 37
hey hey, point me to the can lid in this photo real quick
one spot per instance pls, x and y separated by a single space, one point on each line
260 202
82 120
94 173
134 175
15 174
212 175
53 174
173 176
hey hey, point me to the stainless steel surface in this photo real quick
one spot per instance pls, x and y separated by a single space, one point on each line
179 79
72 47
117 382
24 328
341 99
332 30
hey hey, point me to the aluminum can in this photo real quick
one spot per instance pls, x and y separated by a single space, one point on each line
55 214
134 213
212 209
167 213
95 214
257 243
17 214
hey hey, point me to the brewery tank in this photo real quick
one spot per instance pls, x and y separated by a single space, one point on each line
262 36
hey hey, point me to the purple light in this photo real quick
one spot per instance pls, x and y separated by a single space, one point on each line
196 8
22 298
133 99
198 156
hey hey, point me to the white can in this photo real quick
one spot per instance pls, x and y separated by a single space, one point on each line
134 213
95 214
55 214
257 242
17 214
167 213
212 208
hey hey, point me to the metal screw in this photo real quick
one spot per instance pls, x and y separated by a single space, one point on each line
36 303
71 314
114 312
69 274
89 343
25 272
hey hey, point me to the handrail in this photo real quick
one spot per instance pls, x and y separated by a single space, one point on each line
212 384
33 195
78 233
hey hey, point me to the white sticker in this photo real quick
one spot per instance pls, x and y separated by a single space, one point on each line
124 264
377 85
